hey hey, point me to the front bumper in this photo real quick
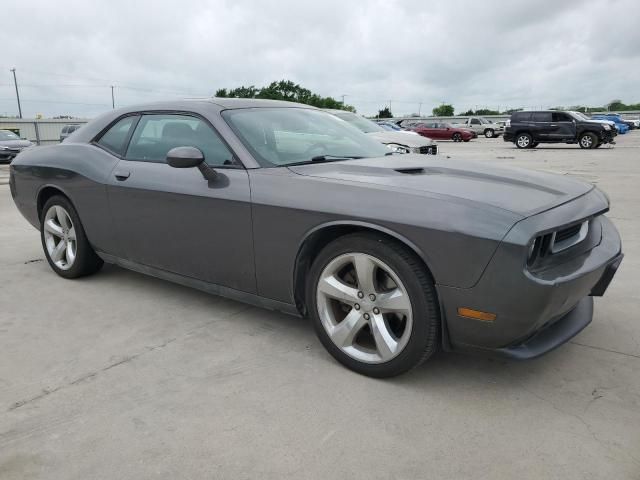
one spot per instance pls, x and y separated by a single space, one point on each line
526 303
8 155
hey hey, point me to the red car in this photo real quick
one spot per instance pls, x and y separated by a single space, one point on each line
443 131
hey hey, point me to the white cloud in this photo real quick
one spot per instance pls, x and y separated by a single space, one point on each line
489 53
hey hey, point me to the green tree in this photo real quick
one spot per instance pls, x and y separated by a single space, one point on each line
287 91
487 111
384 113
444 110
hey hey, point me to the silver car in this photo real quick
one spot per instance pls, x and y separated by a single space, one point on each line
399 142
11 145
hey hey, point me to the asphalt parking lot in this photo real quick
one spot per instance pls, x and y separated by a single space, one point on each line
124 376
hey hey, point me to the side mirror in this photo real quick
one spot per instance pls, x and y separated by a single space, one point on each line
184 157
189 157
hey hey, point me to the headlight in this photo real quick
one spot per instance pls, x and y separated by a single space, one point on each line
606 127
396 148
3 147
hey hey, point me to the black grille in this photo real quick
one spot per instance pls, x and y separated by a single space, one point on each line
567 233
429 150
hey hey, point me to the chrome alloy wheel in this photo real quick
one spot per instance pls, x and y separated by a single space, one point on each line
523 141
364 307
60 237
586 141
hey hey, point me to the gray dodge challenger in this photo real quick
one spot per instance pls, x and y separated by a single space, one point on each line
284 206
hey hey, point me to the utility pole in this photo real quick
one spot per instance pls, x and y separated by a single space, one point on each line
113 100
15 82
419 108
389 105
343 95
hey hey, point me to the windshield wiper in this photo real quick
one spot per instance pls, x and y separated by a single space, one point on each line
325 158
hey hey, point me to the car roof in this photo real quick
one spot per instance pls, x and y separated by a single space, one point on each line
218 103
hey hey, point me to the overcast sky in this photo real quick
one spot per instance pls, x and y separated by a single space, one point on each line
468 53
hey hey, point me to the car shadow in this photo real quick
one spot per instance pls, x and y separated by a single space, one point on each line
441 371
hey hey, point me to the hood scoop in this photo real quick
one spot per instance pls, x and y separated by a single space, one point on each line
411 171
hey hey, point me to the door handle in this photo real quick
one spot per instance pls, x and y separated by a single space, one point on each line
553 125
122 175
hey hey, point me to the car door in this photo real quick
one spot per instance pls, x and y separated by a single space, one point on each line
541 128
563 127
432 131
173 218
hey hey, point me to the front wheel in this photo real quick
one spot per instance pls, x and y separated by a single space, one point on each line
523 140
456 137
489 133
373 305
588 140
64 242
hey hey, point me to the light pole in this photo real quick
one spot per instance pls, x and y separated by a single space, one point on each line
113 100
15 82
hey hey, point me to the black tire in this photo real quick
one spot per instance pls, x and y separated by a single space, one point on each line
588 140
523 140
86 261
456 137
489 133
424 336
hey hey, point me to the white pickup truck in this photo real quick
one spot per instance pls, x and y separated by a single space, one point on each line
480 125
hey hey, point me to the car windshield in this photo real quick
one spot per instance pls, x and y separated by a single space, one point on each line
285 136
7 135
579 116
390 126
361 123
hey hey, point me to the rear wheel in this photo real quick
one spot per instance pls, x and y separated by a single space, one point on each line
64 242
588 140
456 137
489 133
373 305
523 140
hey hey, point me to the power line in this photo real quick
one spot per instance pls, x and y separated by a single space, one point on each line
30 100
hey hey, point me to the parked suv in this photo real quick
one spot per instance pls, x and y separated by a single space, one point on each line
528 129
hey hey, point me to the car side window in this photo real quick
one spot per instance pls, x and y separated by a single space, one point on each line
521 117
560 117
475 121
155 135
114 139
542 116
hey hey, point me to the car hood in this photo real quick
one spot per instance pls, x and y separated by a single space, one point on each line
402 138
521 192
600 121
15 143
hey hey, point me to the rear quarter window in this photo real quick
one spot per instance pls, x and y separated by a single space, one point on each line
521 117
115 138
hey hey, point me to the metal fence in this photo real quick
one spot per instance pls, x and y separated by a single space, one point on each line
39 131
